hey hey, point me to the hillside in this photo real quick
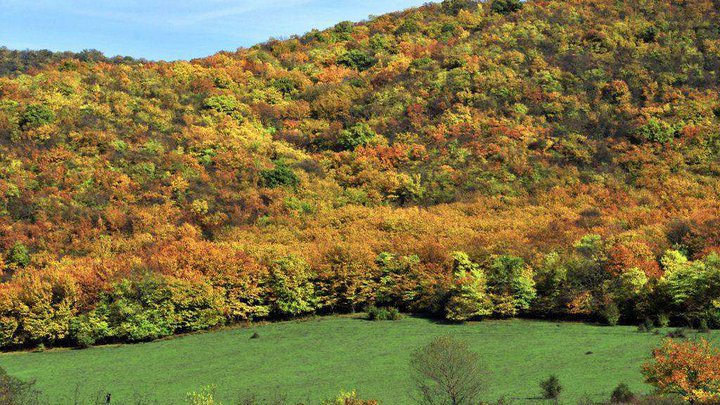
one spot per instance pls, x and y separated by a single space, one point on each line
545 158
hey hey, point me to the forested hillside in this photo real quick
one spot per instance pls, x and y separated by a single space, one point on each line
546 158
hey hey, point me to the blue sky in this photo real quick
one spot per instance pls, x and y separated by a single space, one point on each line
171 29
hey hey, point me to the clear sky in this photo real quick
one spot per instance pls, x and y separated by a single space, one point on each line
171 29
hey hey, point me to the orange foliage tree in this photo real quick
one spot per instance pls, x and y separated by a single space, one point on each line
689 369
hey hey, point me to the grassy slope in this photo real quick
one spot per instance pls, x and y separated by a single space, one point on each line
310 360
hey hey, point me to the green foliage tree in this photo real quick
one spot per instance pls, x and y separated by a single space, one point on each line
657 130
358 135
149 308
398 280
19 255
506 6
511 285
357 59
285 85
291 289
223 104
693 286
279 176
36 115
551 279
468 298
137 310
453 7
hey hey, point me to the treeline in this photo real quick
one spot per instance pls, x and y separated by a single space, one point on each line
463 159
210 285
14 62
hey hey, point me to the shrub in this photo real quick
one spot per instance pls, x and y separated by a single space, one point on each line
551 387
611 314
622 394
663 320
382 314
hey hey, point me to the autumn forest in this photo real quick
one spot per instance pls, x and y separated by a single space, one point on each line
462 160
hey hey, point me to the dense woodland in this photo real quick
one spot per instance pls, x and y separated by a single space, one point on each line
13 62
462 159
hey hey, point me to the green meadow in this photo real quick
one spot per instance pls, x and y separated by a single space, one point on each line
310 360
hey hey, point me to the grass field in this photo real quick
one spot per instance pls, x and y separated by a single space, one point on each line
314 359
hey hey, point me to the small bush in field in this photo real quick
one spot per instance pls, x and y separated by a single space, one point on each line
622 394
551 387
611 314
382 314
